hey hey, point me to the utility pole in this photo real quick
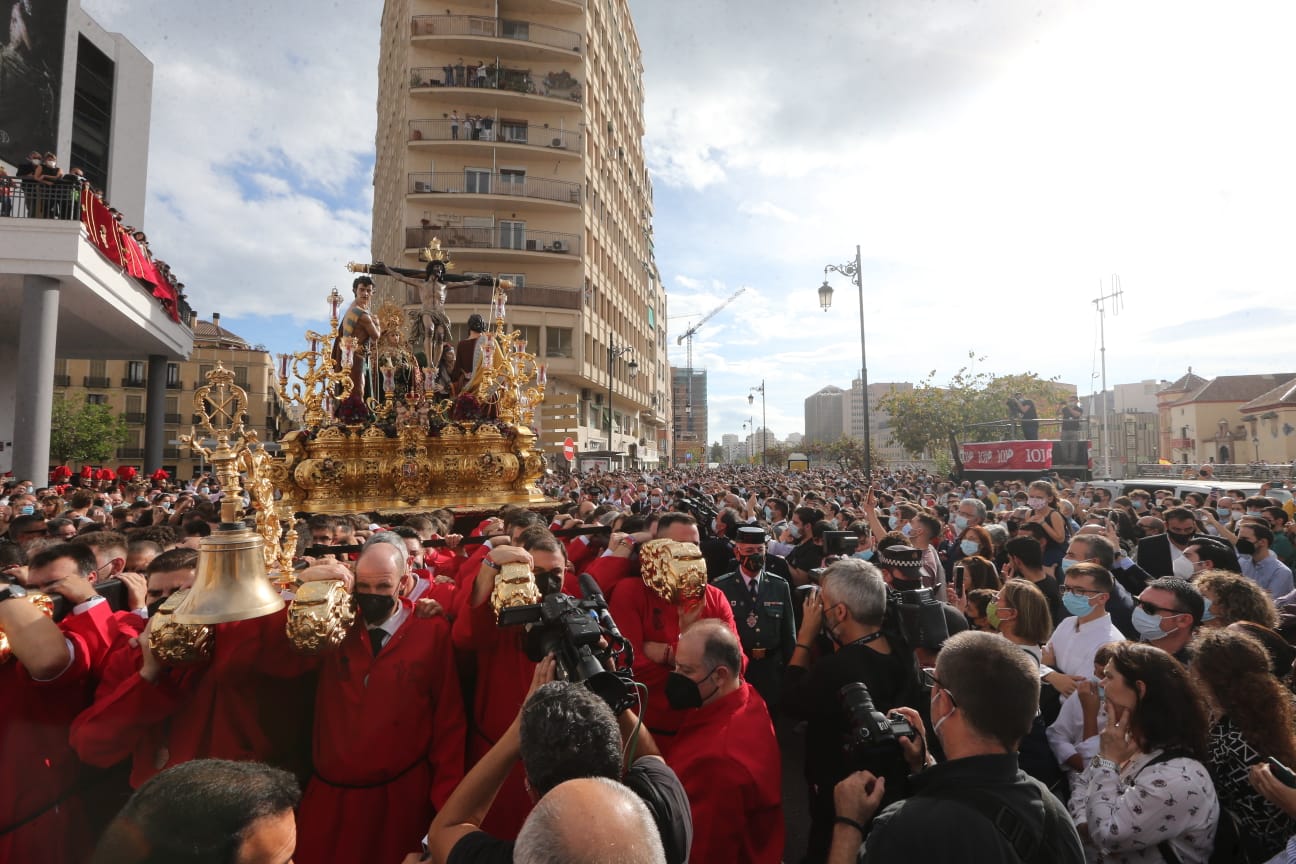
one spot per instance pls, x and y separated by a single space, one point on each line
1116 299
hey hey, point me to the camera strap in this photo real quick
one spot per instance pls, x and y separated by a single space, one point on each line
1025 843
864 640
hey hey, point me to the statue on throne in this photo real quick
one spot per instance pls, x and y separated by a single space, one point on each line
357 336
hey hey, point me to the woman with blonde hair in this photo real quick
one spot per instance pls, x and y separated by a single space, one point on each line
1020 613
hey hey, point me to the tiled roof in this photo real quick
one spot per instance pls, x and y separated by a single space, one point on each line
1189 382
1236 388
1283 394
206 331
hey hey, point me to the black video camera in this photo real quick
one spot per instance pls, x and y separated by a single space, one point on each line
573 631
843 543
921 618
871 733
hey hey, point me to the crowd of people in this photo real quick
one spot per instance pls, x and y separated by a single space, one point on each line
1013 671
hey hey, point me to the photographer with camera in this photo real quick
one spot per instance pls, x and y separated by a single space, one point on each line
562 732
504 670
977 806
901 567
849 608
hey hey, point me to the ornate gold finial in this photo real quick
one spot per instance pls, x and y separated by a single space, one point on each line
321 382
434 252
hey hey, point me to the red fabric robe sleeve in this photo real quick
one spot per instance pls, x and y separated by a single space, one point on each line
607 571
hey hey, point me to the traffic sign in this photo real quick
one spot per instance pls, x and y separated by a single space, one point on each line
569 449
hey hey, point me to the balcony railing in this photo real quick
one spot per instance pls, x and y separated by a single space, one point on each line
499 237
496 28
547 296
170 452
506 133
171 419
94 381
130 452
136 417
133 382
555 85
174 385
483 183
62 380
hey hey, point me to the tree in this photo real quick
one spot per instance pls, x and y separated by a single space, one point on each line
84 432
972 406
846 451
717 452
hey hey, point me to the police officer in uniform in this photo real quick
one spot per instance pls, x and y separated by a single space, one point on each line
762 609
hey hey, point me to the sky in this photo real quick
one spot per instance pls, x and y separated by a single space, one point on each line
996 163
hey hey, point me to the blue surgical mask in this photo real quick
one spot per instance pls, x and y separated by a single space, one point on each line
1207 615
1223 512
866 555
27 510
1067 564
893 522
1077 605
906 529
1137 503
969 547
1147 625
961 523
795 531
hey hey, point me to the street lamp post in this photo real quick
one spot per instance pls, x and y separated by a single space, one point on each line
751 426
764 428
854 271
614 352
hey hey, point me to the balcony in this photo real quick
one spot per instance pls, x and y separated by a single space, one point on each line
483 183
506 88
499 135
517 38
171 419
130 452
174 385
95 382
62 380
170 452
1183 443
136 418
547 296
509 239
132 382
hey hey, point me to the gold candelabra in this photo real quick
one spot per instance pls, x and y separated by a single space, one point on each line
321 381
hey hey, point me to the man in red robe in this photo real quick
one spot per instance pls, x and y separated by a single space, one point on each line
504 671
389 722
725 754
653 626
42 687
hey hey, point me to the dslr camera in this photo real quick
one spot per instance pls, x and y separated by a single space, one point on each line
843 543
871 733
920 616
583 638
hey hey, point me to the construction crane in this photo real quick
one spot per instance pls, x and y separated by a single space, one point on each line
688 334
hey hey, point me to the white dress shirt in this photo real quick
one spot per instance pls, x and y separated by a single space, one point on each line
1074 644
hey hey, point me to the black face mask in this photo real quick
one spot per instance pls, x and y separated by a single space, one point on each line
754 562
376 608
682 692
549 581
1180 539
1245 546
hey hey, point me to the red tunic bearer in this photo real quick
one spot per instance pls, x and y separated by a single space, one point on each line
727 759
41 813
388 742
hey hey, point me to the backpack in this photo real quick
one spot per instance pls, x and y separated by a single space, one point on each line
1229 846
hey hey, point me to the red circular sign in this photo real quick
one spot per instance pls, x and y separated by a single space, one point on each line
569 449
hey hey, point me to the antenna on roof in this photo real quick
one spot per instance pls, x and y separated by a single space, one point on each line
1115 298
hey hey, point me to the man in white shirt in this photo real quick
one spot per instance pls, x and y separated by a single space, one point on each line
1070 651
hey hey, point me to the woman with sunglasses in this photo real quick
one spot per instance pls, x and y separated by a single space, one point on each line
1147 796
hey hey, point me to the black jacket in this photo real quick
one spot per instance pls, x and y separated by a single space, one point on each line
938 826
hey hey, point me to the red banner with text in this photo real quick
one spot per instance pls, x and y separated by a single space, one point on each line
1007 456
123 250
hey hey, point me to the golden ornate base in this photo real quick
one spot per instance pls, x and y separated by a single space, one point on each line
348 469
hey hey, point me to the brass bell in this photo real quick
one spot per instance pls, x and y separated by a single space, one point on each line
231 584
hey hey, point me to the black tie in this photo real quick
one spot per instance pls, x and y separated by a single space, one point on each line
376 637
755 591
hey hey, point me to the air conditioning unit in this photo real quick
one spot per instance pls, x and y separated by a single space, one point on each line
585 394
557 142
559 246
531 246
421 186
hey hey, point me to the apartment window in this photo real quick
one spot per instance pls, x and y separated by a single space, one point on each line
135 371
173 375
512 181
558 341
514 131
241 376
512 234
98 368
96 399
518 279
60 366
134 405
477 180
531 336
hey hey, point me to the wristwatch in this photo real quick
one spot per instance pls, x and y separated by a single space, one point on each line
12 591
1103 762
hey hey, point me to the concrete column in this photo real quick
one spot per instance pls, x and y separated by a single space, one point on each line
37 341
155 413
